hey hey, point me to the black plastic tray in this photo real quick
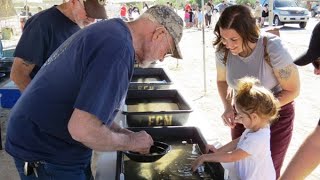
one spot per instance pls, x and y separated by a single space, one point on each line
163 80
156 118
5 64
168 134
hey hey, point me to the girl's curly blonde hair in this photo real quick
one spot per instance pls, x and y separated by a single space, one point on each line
254 98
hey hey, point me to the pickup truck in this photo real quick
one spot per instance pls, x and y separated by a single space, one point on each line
288 12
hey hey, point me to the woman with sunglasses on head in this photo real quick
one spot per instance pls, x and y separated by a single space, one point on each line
241 50
307 157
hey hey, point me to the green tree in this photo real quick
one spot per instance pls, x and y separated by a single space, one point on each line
215 2
6 8
245 2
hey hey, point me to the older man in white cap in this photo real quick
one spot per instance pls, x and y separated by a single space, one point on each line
68 109
46 31
307 157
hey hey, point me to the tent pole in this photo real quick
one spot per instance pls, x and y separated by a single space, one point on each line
204 49
27 11
271 12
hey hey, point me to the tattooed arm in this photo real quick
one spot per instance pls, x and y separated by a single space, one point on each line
289 80
20 72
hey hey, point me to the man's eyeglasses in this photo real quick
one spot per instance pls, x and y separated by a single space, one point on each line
316 63
168 54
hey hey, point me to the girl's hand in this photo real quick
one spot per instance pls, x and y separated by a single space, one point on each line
211 148
228 117
197 163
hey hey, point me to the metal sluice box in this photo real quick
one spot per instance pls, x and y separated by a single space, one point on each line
186 143
145 108
150 79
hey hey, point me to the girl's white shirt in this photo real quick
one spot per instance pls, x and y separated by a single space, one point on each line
259 164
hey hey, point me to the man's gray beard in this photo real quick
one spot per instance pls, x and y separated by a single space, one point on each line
144 64
81 24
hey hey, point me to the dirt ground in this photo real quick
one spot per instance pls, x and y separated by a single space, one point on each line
188 78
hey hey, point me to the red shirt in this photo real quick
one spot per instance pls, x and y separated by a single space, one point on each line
123 11
187 7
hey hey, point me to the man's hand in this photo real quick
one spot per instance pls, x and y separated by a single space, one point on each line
140 142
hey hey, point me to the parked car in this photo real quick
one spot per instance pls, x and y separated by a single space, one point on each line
315 10
217 7
288 12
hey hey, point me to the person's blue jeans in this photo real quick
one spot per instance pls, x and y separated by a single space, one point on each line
48 171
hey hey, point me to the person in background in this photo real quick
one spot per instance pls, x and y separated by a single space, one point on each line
256 108
258 12
123 12
243 51
187 7
191 18
195 17
200 18
208 14
46 31
307 157
135 12
39 9
187 18
69 108
264 15
24 16
130 10
145 7
223 6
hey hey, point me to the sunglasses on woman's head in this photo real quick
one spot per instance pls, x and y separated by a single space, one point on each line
316 63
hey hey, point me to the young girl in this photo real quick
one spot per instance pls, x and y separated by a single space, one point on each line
255 108
187 18
200 19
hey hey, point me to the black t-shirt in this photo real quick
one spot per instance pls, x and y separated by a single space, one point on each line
42 35
265 13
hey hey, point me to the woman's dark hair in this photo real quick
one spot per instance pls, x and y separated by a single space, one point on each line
239 18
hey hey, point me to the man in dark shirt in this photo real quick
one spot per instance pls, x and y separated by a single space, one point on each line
46 31
307 157
69 107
